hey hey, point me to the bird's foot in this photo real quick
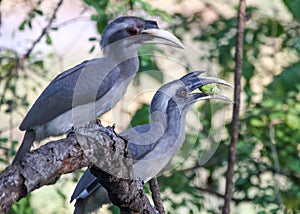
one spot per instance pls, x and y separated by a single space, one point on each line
142 182
71 133
109 130
96 121
155 210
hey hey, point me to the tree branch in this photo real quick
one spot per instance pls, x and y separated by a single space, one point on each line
236 107
134 202
92 144
44 31
154 187
54 159
113 167
236 200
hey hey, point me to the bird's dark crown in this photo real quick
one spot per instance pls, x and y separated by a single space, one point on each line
124 27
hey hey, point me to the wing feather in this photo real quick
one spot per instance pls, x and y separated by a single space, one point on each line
84 83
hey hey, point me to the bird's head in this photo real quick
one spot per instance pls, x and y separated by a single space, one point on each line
179 94
130 32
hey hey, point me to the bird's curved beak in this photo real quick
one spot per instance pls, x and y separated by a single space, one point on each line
159 36
206 96
193 81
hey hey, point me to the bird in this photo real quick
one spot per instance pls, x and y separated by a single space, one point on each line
151 146
81 94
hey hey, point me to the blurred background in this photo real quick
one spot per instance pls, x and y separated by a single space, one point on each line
37 43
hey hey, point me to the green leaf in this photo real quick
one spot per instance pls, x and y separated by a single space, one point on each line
92 49
39 63
22 25
294 7
287 81
141 116
114 209
256 122
92 39
48 40
94 17
39 12
210 88
3 140
293 121
272 28
297 45
102 23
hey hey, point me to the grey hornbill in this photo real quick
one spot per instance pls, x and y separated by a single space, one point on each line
86 91
152 145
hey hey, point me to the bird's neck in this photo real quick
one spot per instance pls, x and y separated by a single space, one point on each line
120 53
173 122
128 68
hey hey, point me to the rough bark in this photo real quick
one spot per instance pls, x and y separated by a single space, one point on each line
154 187
40 167
236 106
134 202
45 165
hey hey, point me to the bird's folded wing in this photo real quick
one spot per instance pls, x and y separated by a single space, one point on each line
82 84
142 139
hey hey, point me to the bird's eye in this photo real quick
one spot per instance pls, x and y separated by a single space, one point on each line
181 92
132 30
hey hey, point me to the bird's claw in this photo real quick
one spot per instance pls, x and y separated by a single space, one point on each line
98 121
109 130
71 133
142 182
155 210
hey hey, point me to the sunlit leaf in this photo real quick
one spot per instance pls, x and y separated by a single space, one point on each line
48 40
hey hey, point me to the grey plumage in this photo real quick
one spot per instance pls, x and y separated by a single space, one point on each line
86 91
152 145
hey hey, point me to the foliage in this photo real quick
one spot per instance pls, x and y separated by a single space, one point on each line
141 116
267 171
274 123
23 206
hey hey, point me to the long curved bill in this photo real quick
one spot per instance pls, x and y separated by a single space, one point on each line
205 96
193 81
160 36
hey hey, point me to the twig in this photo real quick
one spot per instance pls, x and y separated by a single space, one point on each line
154 187
44 31
236 200
267 168
290 175
236 107
276 162
11 107
213 8
190 169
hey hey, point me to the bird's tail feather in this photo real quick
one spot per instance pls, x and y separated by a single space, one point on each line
79 206
93 202
27 142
